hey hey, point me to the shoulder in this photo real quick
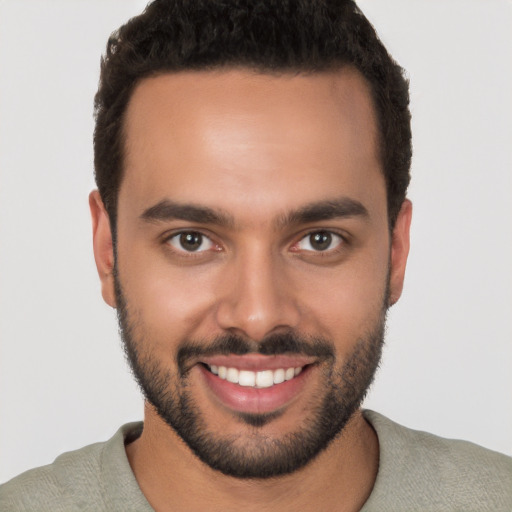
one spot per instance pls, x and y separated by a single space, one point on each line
433 473
76 480
53 487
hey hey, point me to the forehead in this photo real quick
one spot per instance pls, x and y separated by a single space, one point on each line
244 135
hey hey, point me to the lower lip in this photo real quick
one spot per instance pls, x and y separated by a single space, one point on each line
255 400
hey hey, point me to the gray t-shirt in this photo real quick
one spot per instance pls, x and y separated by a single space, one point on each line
417 472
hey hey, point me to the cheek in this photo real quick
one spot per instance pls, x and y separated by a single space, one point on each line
172 303
345 302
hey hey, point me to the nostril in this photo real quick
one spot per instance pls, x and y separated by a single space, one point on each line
255 305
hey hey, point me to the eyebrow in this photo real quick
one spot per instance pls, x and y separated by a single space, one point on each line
342 207
167 210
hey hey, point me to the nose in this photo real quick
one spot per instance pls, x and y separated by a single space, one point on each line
258 297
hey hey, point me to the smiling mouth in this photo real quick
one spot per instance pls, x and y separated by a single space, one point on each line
256 384
255 379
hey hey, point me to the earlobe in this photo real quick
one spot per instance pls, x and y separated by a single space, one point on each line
400 243
103 247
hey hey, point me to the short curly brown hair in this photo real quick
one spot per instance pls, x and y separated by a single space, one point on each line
265 35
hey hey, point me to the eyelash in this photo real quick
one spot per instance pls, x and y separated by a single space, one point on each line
327 255
341 243
193 253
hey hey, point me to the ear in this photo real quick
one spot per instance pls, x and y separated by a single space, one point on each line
399 251
103 247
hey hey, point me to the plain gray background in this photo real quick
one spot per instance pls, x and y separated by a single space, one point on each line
447 364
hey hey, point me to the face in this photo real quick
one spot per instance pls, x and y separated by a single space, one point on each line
254 263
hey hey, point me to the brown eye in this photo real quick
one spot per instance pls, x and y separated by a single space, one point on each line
190 241
320 241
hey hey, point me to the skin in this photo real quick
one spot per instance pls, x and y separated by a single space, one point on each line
255 148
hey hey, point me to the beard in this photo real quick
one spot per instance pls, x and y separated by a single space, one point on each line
253 453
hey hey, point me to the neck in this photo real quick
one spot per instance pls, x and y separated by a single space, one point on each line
173 478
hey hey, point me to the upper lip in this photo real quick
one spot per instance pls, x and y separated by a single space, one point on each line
258 362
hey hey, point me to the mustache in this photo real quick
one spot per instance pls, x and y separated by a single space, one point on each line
273 345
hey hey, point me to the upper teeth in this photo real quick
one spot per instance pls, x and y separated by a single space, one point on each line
262 379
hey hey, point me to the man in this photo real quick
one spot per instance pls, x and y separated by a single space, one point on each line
252 229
